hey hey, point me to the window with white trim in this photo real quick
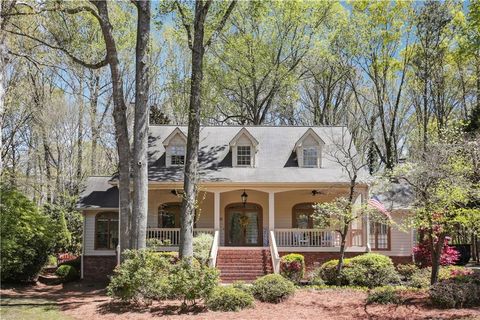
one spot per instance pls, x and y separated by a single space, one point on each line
177 155
244 155
310 157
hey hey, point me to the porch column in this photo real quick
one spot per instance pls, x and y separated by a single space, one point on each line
367 222
216 210
271 210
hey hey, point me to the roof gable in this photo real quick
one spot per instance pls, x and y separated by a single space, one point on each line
312 134
243 132
172 135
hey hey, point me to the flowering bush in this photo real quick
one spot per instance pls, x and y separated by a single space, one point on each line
292 266
423 254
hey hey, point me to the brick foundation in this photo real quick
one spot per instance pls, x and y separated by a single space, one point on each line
316 259
98 268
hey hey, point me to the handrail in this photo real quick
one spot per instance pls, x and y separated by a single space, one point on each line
214 250
274 252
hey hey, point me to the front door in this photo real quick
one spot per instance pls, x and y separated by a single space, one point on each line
243 225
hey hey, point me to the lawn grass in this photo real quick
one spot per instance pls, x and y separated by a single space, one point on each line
30 309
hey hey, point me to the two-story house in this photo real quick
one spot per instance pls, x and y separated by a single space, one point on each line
257 188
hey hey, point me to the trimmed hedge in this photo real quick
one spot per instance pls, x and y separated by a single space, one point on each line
229 299
367 270
292 267
272 288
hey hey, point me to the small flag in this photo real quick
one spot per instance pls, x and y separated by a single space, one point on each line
377 204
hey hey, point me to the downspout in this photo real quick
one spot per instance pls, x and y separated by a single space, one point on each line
83 245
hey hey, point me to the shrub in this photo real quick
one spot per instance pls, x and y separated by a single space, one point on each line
315 277
370 270
272 288
423 255
67 273
27 238
328 272
76 263
292 266
229 299
241 285
201 247
421 278
192 281
142 276
406 271
457 292
51 261
384 295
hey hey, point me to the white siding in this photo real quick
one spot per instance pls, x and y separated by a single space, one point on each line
400 238
89 240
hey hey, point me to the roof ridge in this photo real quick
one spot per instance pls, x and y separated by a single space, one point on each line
250 126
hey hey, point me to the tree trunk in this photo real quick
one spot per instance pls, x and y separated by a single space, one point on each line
79 137
94 88
436 255
341 257
140 131
121 127
191 163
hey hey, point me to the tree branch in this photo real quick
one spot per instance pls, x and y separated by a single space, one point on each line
221 24
185 24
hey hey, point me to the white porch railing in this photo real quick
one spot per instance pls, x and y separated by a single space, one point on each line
214 249
315 238
171 236
274 252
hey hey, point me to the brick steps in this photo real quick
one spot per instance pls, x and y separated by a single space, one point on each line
243 264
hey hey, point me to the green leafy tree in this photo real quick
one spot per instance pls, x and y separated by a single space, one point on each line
444 190
27 237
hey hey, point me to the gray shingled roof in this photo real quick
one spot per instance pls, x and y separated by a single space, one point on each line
99 193
275 158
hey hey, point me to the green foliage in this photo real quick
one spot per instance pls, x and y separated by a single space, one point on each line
51 260
456 292
272 288
191 281
229 298
63 238
367 270
142 276
370 270
315 277
67 273
292 267
384 295
328 272
241 285
26 239
201 247
406 271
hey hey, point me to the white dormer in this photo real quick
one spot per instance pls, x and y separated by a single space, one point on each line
244 147
309 150
175 148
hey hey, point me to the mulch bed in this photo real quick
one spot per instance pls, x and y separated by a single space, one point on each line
89 301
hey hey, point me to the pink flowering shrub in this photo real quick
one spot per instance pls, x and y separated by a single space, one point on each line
423 254
292 267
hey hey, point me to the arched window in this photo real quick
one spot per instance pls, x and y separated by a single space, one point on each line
302 216
106 231
169 215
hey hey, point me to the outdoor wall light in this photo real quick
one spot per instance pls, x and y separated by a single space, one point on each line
244 197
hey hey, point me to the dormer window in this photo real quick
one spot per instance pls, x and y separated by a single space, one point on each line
177 155
244 147
175 148
310 157
309 150
244 155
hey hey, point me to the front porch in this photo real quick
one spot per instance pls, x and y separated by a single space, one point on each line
253 217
